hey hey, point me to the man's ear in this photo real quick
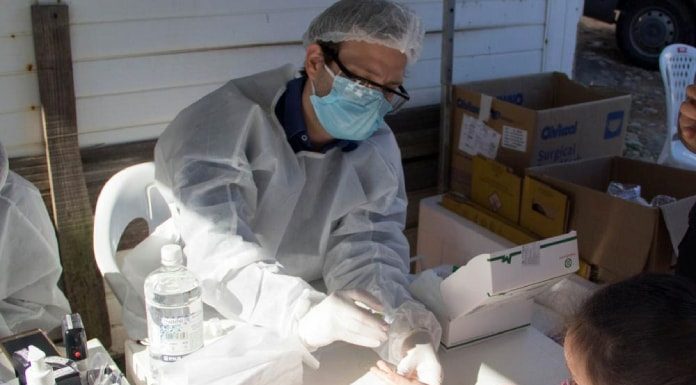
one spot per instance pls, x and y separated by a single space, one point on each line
314 61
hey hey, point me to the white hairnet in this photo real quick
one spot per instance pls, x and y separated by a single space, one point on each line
382 22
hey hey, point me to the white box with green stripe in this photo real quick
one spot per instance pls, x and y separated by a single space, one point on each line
493 292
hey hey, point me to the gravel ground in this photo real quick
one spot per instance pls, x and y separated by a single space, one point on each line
598 61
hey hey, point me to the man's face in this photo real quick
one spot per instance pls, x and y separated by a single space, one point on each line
374 62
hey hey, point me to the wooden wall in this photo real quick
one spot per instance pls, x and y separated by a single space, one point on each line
137 63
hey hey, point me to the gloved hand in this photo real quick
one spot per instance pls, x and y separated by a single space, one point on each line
338 318
420 360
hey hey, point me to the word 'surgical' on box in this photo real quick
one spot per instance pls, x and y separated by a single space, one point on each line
623 238
534 120
492 292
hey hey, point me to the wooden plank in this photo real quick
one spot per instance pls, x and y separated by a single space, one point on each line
560 35
159 72
71 210
574 10
161 106
478 67
146 36
102 121
99 11
146 108
487 41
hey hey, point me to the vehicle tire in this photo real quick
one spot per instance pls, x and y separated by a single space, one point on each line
645 27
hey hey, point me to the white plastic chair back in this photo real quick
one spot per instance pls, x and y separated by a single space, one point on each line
678 70
130 194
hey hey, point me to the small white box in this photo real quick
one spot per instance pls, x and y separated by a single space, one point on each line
446 238
493 292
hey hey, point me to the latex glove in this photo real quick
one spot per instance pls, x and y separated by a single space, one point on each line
389 376
338 318
687 119
420 360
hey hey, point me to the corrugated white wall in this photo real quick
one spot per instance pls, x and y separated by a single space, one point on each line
137 63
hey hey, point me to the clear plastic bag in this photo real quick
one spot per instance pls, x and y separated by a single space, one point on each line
99 371
629 192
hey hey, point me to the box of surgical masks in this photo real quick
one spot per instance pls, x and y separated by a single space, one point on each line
493 293
533 120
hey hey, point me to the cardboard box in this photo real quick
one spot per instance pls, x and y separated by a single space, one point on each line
446 238
623 238
533 120
474 295
543 210
496 188
491 221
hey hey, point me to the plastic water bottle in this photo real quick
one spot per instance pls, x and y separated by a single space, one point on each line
174 311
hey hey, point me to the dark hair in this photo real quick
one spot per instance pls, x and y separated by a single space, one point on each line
641 331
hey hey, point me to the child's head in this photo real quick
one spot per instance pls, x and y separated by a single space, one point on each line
641 331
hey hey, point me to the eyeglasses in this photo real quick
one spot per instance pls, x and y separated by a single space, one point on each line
396 98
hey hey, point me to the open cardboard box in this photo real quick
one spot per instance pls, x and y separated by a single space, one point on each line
493 292
447 238
534 120
623 238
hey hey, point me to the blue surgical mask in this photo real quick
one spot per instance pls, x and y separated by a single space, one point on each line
350 111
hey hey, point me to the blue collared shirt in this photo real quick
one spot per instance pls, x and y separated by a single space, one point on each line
289 113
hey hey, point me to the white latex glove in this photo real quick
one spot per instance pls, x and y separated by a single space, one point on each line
338 318
420 361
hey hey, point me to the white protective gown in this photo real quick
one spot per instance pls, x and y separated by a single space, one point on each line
29 262
260 221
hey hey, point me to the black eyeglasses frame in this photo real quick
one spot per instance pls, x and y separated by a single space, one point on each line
333 54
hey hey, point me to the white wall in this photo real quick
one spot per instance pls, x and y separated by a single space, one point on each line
138 62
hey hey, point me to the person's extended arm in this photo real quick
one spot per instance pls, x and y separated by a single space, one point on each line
368 250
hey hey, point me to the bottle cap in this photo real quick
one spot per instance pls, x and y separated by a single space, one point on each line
172 255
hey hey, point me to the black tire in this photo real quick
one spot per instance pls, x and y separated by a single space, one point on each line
645 27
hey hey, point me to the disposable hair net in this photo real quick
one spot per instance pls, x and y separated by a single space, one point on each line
374 21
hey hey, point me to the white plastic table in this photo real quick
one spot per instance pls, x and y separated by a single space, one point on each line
520 357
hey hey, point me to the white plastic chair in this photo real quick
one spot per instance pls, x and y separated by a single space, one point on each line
128 195
678 69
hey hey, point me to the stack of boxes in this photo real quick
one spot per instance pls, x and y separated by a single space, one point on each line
532 159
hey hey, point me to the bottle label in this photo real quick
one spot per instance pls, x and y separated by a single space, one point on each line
177 336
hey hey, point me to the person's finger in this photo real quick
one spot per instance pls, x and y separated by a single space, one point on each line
364 318
384 366
365 325
407 365
385 377
366 298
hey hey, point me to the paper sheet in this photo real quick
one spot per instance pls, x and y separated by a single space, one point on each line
477 138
